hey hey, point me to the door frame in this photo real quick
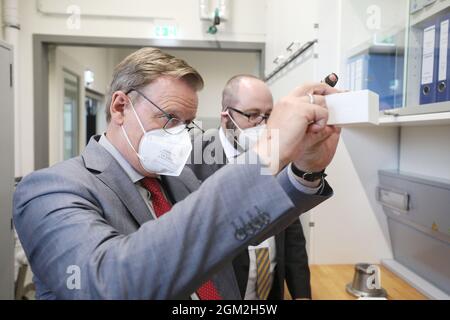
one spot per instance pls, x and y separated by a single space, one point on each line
42 43
100 97
59 63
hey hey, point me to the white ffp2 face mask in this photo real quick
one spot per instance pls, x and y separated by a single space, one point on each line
248 137
160 152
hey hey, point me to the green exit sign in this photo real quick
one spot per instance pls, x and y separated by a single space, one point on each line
165 31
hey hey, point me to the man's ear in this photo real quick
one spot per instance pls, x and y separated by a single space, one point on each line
119 102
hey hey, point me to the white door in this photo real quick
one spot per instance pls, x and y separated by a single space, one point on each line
67 116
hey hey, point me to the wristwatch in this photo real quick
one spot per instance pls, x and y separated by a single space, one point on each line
309 176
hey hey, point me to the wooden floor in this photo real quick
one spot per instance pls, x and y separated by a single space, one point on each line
328 283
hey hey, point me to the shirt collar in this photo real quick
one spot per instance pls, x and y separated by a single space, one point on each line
230 151
130 171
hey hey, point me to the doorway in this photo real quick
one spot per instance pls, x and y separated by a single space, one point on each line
94 103
55 139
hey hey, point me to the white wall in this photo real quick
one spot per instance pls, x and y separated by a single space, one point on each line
247 24
288 21
426 151
95 59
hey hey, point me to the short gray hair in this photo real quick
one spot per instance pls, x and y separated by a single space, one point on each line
146 65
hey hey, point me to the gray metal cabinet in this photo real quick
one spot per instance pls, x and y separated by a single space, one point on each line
6 172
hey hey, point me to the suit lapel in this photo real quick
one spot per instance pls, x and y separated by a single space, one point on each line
127 193
109 171
214 146
220 157
178 188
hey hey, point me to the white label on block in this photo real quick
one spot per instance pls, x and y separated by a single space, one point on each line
356 107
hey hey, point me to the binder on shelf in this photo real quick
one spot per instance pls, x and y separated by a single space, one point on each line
378 72
443 69
429 57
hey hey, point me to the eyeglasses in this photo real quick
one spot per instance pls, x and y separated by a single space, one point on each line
172 121
253 117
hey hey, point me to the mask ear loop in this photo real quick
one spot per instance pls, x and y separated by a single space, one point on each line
129 142
126 135
242 131
137 117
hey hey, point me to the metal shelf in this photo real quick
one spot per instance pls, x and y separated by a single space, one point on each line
429 11
292 58
429 119
422 115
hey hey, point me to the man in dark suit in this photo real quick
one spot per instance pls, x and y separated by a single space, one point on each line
247 103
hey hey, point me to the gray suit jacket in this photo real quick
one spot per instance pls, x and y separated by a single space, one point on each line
291 255
85 213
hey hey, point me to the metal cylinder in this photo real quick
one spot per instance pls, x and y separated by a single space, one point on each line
361 286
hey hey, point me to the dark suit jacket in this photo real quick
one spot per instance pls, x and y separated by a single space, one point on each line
291 255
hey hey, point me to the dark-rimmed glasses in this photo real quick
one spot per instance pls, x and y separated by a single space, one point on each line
172 121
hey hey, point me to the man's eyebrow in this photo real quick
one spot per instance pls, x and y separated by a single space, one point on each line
253 111
177 115
170 110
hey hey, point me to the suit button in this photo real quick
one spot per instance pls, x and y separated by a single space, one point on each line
257 223
240 234
250 229
265 218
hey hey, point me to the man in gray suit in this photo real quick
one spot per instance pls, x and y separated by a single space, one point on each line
126 220
261 270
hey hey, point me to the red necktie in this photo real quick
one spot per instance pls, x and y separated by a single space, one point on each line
208 290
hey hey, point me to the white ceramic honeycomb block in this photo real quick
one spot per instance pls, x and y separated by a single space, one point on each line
353 108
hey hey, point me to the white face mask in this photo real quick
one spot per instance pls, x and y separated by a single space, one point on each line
160 152
248 137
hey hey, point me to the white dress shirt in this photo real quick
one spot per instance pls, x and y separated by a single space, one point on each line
250 292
